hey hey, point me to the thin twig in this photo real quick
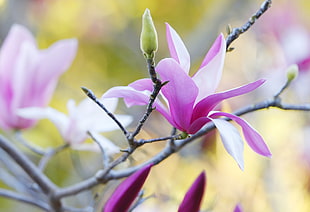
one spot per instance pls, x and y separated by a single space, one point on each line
49 154
93 97
36 175
25 199
157 85
24 142
171 141
100 177
288 82
105 158
172 137
236 32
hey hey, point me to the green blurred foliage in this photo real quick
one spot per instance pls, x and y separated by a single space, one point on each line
109 55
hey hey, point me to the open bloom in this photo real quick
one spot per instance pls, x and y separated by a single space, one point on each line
82 118
28 76
188 103
125 194
193 197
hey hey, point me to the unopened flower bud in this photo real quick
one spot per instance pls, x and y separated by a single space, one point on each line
148 39
292 72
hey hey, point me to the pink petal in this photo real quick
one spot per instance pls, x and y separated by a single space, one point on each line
253 138
304 64
10 50
231 140
53 62
127 191
11 47
198 124
177 48
142 85
193 197
180 92
238 208
207 104
131 96
35 76
209 74
137 97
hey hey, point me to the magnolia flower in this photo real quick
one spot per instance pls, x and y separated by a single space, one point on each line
81 118
188 103
193 197
28 76
127 191
238 208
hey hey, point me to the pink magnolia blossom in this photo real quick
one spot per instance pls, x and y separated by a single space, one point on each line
127 191
28 76
82 118
283 30
188 103
193 197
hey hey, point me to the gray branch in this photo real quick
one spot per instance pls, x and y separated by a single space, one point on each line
25 199
236 32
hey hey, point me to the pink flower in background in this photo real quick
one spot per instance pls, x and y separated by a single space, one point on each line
28 76
84 117
193 197
125 194
188 102
282 28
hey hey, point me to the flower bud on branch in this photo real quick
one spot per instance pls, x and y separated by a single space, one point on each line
148 38
292 72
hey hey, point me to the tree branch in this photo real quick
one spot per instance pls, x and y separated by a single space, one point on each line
25 199
236 32
36 175
93 97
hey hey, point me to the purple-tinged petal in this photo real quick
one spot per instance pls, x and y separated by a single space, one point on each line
142 85
231 139
209 74
238 208
207 104
193 197
137 97
304 64
11 47
37 72
198 124
177 48
131 96
253 138
180 92
127 191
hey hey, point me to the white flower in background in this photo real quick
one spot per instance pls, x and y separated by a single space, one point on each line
81 118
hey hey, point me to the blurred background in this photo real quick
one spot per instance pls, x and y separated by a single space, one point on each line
109 55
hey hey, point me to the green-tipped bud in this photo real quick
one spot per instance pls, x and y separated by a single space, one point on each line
148 39
292 72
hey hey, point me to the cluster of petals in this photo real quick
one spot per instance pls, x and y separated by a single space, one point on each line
28 76
189 103
81 119
126 193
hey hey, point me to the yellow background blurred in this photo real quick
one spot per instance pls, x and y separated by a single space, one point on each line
109 55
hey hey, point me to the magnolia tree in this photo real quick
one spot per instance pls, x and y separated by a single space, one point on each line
190 103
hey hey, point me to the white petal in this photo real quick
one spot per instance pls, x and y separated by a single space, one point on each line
60 120
231 139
